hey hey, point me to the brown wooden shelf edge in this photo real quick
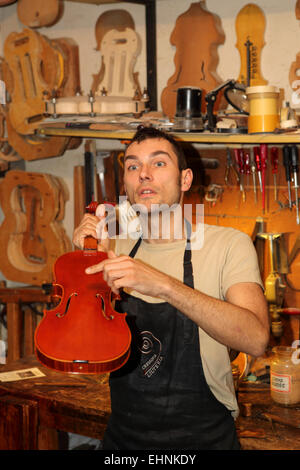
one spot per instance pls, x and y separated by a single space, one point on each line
202 137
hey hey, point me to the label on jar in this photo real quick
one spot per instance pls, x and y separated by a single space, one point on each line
281 383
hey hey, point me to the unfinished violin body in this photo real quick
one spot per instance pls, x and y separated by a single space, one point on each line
82 334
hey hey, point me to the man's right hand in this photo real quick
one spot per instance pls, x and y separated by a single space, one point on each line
91 225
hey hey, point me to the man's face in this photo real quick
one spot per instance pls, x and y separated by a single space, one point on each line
151 174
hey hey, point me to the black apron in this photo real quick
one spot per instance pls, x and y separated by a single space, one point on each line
160 398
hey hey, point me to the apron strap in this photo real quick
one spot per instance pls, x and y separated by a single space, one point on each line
188 277
135 248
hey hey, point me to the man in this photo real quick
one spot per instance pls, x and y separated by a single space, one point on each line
186 308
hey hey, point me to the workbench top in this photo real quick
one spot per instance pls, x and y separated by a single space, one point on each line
81 404
274 427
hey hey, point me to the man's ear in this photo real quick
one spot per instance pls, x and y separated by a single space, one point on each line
186 179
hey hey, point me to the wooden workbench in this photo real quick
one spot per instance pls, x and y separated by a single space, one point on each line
274 427
32 410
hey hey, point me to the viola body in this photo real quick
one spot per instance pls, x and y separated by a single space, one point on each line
83 333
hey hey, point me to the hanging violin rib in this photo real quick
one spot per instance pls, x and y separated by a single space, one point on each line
83 333
31 234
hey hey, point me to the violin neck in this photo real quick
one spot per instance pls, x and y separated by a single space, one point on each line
90 243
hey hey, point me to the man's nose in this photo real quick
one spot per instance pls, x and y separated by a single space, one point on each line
145 173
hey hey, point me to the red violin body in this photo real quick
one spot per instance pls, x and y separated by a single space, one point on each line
83 333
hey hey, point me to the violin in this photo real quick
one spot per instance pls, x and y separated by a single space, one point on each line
83 333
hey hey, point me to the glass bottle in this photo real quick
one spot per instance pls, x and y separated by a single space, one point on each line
285 375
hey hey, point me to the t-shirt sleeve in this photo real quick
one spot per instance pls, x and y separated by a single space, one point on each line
241 263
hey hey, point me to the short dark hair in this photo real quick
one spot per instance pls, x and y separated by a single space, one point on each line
146 132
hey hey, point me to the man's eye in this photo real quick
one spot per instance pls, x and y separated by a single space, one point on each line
131 167
160 163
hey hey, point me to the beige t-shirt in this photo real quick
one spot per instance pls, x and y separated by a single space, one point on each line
227 257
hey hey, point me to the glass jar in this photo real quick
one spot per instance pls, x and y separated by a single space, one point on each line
285 376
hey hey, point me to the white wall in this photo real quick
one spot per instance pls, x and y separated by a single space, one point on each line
78 22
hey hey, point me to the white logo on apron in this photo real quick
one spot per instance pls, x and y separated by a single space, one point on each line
151 353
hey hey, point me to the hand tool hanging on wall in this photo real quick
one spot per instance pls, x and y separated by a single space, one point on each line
247 168
274 286
230 168
286 164
294 168
238 153
263 159
258 165
213 194
253 171
274 162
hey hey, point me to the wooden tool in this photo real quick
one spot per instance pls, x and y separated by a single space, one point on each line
197 35
29 146
37 68
297 9
111 19
31 234
117 92
250 27
69 49
294 75
33 148
6 2
38 13
282 415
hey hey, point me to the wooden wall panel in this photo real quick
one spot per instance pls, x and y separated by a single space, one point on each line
231 211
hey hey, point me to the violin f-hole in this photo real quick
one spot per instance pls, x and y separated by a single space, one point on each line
99 296
61 315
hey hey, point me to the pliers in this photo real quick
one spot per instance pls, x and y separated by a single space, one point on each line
230 166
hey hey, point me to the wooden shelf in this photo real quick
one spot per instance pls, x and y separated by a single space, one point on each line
100 2
95 2
203 137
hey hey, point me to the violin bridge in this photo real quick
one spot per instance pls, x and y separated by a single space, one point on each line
61 315
103 308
